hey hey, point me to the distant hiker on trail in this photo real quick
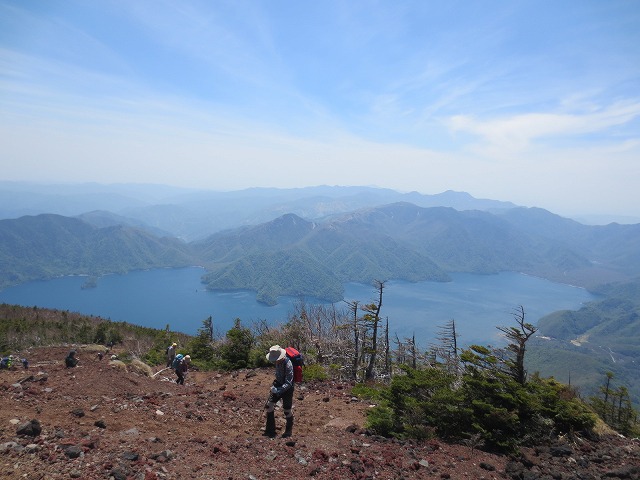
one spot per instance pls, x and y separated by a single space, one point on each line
100 355
5 362
282 389
171 353
71 360
181 366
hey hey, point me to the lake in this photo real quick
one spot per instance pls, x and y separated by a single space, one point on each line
155 298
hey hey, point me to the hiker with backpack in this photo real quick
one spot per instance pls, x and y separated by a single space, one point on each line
282 389
181 366
6 362
171 353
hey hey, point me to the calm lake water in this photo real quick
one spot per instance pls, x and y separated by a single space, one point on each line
155 298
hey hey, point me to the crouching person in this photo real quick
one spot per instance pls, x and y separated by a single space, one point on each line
282 389
182 368
71 360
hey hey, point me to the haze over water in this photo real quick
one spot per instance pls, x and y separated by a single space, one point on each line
155 298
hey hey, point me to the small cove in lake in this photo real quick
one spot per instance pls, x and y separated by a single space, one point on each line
155 298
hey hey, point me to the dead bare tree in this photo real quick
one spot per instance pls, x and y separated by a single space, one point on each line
355 328
372 317
447 347
387 357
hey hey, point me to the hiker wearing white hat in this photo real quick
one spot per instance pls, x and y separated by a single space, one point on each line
282 389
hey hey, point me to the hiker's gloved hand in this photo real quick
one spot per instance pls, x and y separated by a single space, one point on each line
274 389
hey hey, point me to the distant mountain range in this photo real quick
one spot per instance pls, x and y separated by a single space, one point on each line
194 214
300 241
312 241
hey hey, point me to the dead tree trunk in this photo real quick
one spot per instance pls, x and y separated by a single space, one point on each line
373 315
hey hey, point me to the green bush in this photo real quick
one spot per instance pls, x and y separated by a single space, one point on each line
367 391
482 405
380 420
235 351
257 358
314 372
558 403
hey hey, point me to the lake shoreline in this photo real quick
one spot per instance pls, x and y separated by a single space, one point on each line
157 297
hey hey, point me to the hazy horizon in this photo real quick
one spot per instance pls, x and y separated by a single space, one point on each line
146 190
533 102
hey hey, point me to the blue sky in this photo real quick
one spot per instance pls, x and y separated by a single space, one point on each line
535 102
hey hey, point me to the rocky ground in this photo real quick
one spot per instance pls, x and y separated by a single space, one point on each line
101 421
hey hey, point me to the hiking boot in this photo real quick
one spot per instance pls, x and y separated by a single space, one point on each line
270 428
288 430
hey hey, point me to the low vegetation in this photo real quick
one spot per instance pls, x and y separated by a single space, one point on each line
481 396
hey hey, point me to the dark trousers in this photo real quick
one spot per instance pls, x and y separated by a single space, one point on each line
180 379
287 399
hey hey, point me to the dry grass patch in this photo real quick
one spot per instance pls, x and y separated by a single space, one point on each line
140 367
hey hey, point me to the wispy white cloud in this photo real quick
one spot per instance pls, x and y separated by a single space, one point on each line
517 132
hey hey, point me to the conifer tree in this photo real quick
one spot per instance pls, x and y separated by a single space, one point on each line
518 337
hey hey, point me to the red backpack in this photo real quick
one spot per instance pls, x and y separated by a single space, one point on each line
298 362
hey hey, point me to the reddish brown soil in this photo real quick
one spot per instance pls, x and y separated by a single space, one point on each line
99 421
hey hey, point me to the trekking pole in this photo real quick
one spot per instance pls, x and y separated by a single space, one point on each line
160 371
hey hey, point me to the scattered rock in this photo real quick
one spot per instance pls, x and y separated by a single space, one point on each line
131 456
561 451
31 428
163 456
229 396
5 447
214 438
356 467
487 466
31 448
118 473
73 451
628 471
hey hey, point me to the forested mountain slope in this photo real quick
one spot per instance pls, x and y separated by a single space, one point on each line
46 246
580 347
397 241
611 246
294 256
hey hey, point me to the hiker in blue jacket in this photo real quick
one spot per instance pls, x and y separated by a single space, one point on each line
182 368
282 389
